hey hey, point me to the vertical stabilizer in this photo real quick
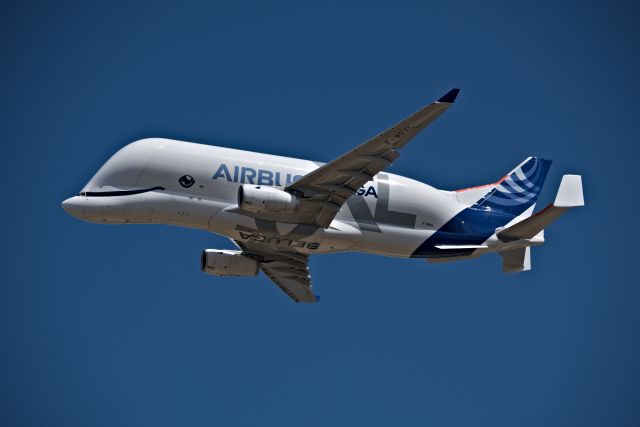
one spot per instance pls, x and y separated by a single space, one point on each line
518 190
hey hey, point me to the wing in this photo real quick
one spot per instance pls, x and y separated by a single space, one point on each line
323 191
288 270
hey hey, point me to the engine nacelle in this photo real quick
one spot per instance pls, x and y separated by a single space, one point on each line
227 263
258 198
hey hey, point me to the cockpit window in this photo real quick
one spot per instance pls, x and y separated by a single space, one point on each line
118 192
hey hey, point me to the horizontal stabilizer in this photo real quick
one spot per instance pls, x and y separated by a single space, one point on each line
569 196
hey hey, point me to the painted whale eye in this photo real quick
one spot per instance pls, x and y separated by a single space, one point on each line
186 181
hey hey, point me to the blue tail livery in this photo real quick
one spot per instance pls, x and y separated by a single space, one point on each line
519 189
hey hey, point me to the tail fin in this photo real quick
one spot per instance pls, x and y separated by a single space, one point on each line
518 190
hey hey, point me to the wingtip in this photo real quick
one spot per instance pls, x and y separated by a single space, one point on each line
450 96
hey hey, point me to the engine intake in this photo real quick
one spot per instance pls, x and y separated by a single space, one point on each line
257 198
227 263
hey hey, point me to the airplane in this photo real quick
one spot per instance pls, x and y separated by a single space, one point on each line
278 211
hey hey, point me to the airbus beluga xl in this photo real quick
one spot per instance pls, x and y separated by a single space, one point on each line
278 211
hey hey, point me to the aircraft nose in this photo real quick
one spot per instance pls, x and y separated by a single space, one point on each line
73 207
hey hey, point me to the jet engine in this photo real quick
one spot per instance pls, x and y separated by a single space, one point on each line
257 198
227 263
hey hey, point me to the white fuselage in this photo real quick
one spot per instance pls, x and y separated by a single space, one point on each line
193 185
279 210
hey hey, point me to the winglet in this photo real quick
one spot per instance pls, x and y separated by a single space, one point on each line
570 192
450 96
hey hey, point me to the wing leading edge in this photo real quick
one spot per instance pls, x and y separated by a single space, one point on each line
323 191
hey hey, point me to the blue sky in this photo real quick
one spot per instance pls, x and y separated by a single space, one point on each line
116 325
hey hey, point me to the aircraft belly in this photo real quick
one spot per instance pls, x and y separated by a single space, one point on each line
391 241
303 238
